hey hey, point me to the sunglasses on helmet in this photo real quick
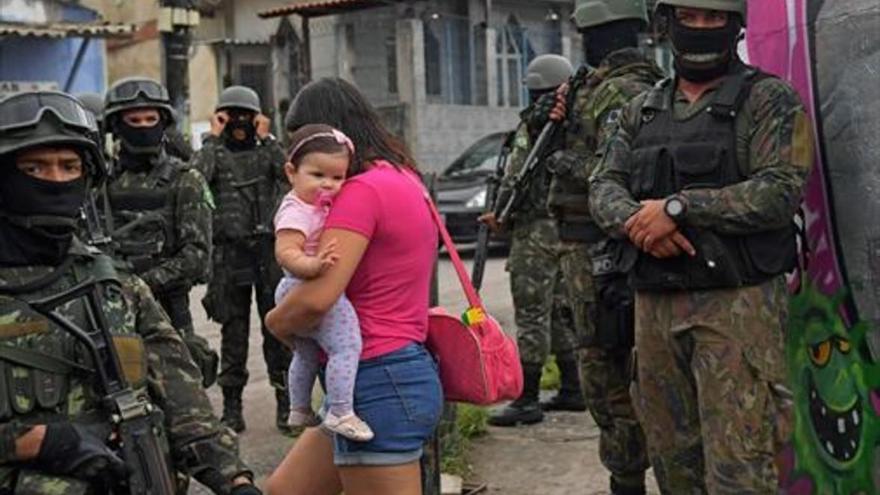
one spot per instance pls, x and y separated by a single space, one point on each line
27 109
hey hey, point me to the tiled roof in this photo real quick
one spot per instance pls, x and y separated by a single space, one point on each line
67 29
316 8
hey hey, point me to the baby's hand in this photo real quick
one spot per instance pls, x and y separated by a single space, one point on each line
328 256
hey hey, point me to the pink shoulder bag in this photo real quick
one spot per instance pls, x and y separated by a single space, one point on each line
479 363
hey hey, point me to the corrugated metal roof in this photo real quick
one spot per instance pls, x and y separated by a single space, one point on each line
67 29
317 8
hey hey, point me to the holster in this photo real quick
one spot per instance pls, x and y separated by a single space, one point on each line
615 314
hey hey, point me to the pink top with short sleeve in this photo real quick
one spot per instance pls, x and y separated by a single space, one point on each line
389 288
296 214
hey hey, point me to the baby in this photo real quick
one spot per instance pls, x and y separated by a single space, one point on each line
316 168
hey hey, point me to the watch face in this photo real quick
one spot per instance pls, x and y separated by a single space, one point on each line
674 207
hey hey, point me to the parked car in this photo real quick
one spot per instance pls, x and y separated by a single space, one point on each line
461 188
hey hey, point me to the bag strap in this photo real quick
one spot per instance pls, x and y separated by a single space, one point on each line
473 298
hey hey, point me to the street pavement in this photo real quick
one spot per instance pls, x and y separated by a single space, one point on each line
563 450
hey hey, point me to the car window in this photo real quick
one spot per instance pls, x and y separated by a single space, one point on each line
480 156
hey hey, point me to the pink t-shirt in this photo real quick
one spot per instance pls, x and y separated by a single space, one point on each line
296 214
389 288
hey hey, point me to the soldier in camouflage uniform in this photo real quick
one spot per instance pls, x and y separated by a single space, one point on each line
542 315
160 207
620 71
53 425
244 166
703 177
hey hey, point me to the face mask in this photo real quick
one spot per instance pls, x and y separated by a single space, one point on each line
702 55
600 41
247 127
141 140
39 217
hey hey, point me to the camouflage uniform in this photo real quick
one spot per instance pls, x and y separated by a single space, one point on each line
543 318
170 244
247 186
157 364
710 360
596 104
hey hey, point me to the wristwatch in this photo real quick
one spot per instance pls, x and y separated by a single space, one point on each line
675 207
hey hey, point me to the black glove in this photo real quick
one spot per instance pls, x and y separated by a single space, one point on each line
72 450
540 113
246 489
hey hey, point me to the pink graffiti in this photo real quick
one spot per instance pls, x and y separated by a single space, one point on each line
777 41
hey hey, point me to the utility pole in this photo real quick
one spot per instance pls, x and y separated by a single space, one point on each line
176 20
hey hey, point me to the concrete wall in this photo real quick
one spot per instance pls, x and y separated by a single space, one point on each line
444 131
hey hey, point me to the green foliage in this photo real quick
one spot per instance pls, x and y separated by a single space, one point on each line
470 422
550 375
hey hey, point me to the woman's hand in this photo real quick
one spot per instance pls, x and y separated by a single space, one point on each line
304 306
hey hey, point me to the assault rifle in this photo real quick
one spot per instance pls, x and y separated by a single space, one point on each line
138 424
523 178
492 183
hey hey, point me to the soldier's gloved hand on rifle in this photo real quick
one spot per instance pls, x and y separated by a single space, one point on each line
549 106
72 450
561 163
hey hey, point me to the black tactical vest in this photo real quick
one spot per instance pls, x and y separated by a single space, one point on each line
245 190
672 155
143 218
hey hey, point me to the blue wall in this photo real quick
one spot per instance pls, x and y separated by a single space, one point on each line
51 59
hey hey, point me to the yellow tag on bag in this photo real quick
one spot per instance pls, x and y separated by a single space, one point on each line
473 316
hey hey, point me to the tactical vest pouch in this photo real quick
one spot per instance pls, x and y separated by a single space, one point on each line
51 388
132 357
580 231
36 483
643 180
698 165
21 386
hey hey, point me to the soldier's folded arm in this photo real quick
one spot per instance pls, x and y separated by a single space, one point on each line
781 153
190 262
611 203
199 445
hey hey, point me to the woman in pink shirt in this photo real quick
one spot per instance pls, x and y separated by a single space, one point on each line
387 244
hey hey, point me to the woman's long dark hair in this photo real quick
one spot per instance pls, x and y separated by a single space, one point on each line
337 103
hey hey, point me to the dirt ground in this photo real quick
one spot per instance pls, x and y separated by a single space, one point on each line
556 457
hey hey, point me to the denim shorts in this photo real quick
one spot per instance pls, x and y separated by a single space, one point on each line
399 395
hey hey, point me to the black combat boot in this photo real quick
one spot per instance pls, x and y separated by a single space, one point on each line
282 410
618 488
232 416
525 410
570 396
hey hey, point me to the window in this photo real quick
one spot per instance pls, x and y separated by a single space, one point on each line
256 77
391 61
513 52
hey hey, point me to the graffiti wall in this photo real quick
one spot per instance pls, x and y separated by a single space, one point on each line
830 51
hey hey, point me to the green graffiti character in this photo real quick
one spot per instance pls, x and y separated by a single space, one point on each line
836 389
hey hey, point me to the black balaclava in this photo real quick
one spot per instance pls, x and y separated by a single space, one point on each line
244 120
37 217
140 141
604 39
702 55
534 94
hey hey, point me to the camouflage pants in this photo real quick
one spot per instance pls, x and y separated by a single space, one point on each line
543 317
234 299
711 365
605 376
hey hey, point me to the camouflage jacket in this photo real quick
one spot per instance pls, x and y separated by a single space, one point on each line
534 205
247 186
774 145
594 109
153 358
172 249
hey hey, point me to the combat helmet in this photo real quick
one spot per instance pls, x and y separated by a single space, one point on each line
547 72
93 103
736 6
591 13
40 118
137 92
239 97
